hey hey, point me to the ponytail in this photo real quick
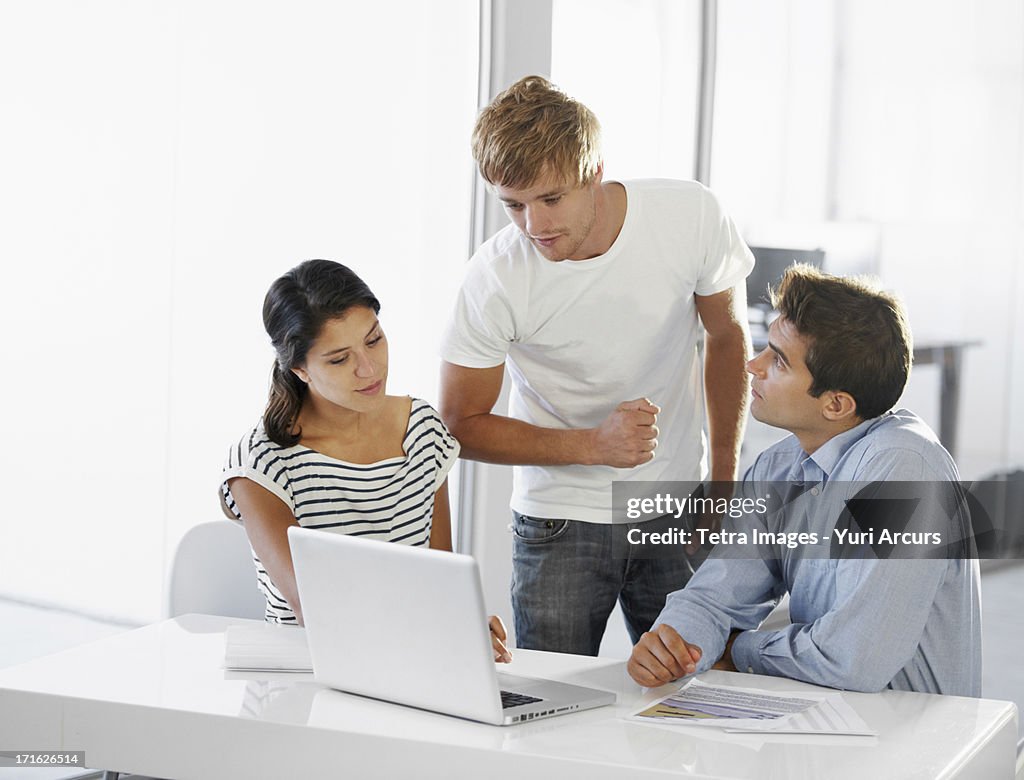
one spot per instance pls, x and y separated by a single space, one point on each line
287 393
294 312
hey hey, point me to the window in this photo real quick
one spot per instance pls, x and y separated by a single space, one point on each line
167 162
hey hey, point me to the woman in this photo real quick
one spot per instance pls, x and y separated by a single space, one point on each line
333 450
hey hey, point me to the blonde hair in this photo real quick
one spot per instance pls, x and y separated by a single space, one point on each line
533 128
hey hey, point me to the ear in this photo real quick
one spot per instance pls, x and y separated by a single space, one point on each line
301 374
839 406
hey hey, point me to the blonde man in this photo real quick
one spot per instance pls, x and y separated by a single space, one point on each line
593 299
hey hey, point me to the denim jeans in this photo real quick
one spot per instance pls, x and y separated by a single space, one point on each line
566 579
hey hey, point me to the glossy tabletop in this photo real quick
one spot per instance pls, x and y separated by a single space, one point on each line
157 701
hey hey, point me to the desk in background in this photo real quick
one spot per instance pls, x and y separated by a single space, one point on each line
949 356
157 701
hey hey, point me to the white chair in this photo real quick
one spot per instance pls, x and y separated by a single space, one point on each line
213 574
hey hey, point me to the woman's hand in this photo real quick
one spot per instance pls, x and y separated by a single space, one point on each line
498 638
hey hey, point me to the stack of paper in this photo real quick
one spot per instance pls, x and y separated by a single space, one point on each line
266 647
755 710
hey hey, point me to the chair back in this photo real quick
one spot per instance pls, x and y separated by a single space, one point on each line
213 573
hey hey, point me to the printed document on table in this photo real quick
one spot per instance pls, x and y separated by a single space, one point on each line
266 647
755 710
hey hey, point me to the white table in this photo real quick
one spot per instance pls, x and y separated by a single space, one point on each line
157 701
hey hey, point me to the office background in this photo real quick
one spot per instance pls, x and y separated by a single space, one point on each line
162 163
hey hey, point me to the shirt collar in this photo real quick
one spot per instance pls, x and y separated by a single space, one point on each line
828 455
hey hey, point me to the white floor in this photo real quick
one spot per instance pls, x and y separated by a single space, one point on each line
32 632
1002 593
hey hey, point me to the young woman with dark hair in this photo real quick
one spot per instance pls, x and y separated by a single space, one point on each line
333 450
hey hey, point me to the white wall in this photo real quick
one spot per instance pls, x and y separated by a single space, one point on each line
162 164
934 118
635 64
891 134
774 108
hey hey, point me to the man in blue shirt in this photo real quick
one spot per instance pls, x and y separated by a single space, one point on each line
837 360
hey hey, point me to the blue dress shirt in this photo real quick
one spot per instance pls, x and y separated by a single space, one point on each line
859 624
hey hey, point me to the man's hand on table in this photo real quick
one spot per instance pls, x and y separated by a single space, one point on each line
662 656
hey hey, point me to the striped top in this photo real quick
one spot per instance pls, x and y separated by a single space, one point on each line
391 500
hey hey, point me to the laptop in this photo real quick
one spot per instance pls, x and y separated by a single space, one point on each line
408 625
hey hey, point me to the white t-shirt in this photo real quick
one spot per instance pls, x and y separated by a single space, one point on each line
580 337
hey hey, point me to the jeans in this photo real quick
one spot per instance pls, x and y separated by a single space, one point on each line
566 579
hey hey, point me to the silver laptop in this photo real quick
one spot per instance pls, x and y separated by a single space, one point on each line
408 625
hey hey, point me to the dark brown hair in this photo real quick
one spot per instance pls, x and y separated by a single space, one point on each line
858 340
295 309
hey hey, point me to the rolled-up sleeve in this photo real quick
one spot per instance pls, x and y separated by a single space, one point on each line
724 594
857 645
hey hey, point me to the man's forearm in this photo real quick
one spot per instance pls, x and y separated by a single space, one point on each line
626 437
727 389
492 438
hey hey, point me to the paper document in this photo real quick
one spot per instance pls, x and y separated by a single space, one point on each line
266 647
755 710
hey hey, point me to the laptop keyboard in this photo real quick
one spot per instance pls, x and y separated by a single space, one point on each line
510 699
